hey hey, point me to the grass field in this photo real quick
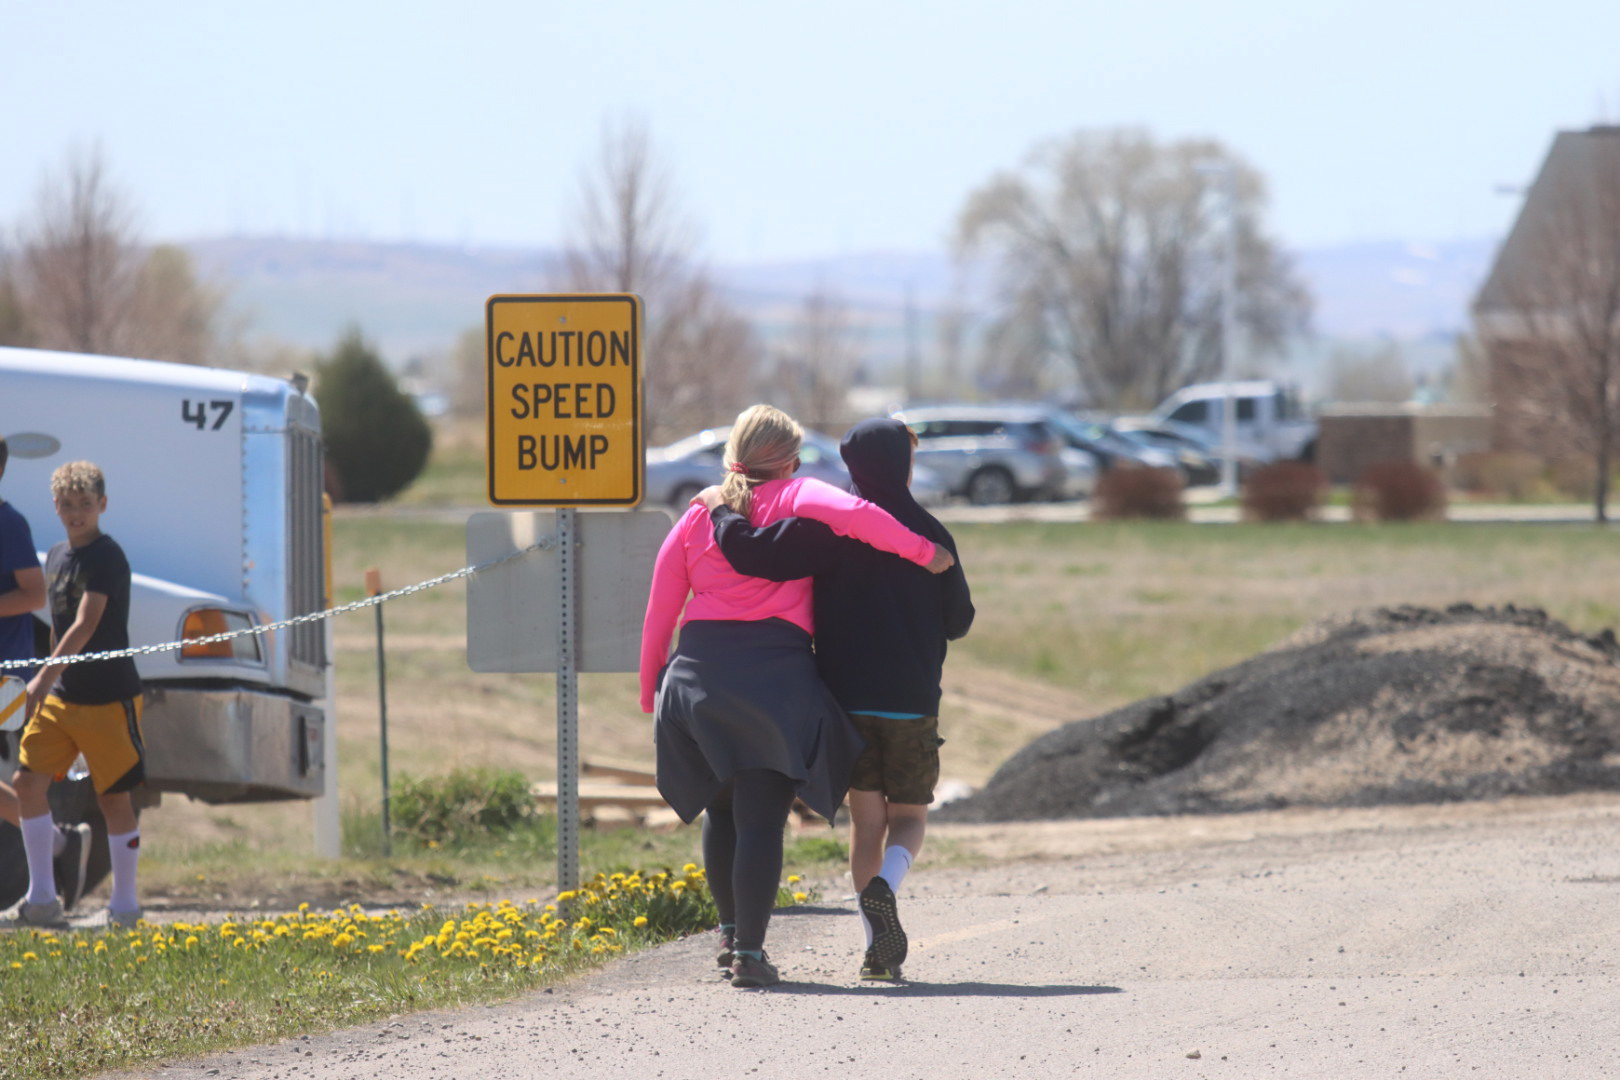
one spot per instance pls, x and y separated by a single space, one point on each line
1074 619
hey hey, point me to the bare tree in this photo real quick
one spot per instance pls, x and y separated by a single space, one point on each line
1015 360
1112 244
629 235
172 315
78 260
81 281
1553 341
816 365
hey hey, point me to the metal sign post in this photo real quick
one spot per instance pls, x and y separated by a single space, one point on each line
567 710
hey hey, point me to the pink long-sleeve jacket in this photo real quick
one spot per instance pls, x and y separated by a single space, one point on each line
691 563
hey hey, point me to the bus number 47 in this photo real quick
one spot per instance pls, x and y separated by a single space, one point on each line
196 413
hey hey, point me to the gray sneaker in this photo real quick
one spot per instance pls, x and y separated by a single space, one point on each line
748 971
126 919
46 916
72 864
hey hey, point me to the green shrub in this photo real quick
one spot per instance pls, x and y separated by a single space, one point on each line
377 440
461 806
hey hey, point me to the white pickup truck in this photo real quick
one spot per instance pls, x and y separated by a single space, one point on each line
214 491
1268 424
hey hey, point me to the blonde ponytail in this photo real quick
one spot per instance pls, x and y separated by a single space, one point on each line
764 445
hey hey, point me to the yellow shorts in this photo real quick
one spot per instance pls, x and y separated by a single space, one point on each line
109 737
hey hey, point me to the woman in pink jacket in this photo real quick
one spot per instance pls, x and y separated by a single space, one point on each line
743 723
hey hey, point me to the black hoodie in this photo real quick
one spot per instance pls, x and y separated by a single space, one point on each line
881 622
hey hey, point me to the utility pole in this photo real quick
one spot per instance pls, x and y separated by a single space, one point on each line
1228 177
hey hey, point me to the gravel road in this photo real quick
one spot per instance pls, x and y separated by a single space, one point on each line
1462 940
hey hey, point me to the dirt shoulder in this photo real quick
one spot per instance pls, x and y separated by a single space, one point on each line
1466 939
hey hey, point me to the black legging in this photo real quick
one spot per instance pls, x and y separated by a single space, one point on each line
742 850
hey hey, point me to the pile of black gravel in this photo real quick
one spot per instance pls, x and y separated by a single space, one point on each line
1387 705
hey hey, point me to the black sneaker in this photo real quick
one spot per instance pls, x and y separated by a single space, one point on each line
728 945
747 971
888 940
873 971
71 864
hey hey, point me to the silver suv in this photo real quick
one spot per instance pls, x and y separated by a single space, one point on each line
990 454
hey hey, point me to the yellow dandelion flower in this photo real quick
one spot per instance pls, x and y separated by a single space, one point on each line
30 956
641 921
800 897
794 879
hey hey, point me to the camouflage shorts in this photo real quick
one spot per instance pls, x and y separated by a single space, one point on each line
901 758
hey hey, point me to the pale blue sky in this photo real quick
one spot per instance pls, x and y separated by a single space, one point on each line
793 130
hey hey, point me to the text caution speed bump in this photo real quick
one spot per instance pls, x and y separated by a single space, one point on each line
564 402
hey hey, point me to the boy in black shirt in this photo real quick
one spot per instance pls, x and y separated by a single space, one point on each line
91 708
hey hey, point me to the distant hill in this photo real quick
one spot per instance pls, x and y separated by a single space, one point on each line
413 300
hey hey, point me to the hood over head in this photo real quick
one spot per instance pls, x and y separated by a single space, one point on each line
878 454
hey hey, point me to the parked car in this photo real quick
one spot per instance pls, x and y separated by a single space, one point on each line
1110 448
1197 448
680 470
993 454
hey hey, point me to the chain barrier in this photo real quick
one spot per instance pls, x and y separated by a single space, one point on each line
313 616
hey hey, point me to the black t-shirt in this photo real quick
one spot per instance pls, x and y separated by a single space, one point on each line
70 572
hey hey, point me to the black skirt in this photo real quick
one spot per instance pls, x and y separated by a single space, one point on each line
746 695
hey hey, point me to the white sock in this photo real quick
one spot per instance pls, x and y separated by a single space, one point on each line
126 852
37 833
896 861
866 925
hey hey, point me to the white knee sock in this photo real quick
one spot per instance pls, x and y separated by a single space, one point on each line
126 852
39 835
896 861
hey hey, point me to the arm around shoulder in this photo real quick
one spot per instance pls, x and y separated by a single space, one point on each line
784 550
867 522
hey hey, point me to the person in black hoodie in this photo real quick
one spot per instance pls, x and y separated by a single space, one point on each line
881 631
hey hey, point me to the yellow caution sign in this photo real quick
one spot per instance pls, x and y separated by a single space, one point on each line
564 400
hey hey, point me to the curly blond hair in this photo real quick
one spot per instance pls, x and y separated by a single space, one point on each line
76 478
763 445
